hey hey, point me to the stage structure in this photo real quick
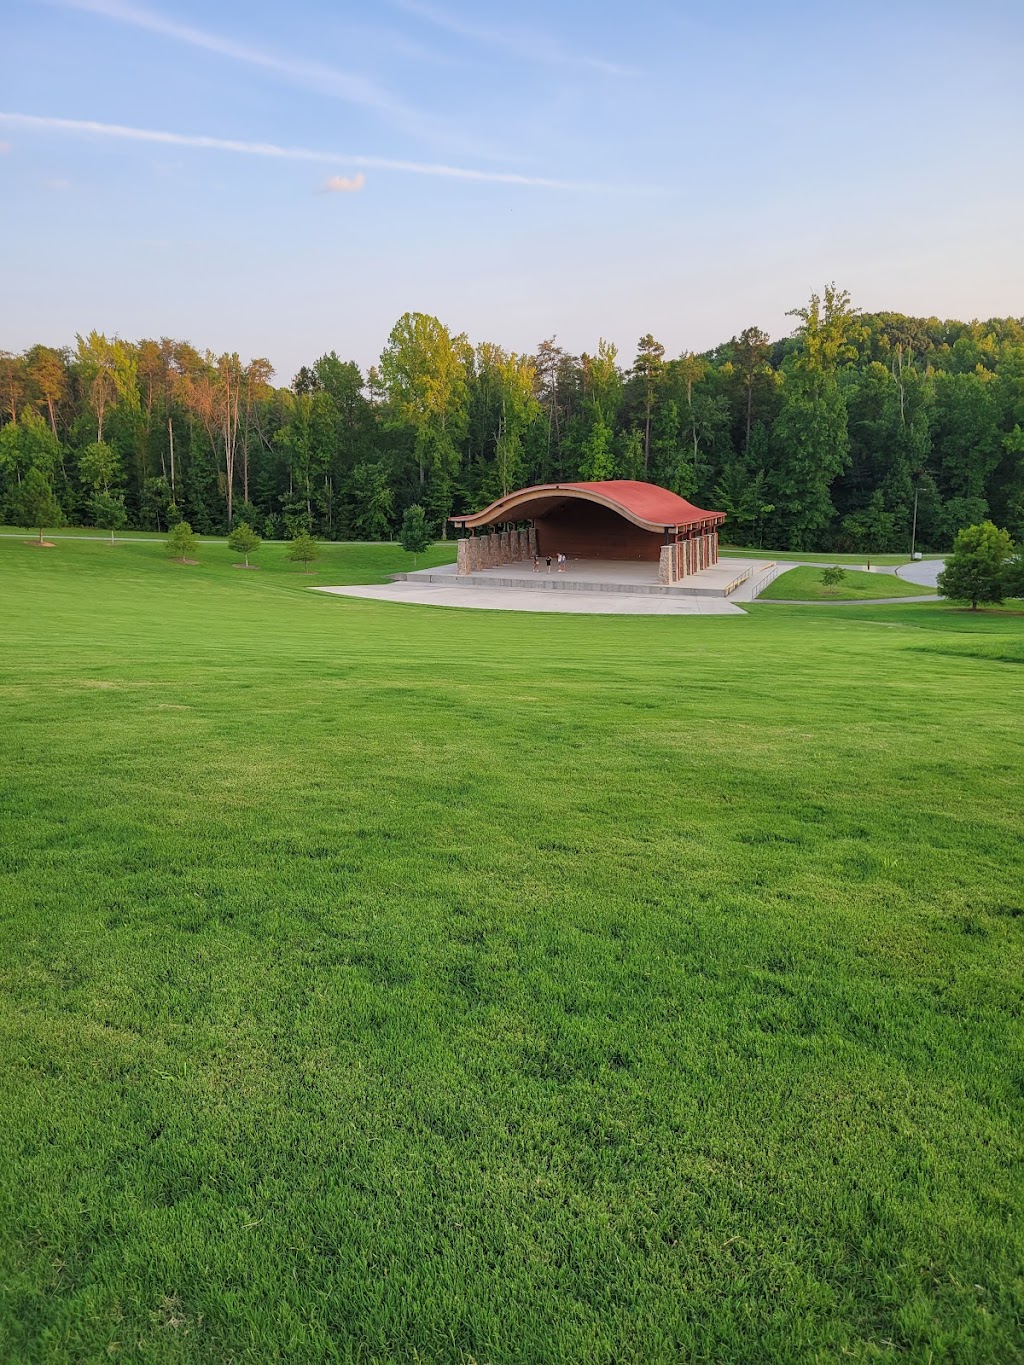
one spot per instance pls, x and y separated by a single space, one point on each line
617 519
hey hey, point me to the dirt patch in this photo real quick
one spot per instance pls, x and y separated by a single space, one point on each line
41 544
246 566
184 561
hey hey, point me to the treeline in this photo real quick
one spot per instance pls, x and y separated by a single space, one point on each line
826 440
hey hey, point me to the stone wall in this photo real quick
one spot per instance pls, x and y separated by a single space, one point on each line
494 549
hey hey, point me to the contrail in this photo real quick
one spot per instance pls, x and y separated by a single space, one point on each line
88 128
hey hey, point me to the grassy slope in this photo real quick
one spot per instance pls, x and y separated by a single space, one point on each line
805 585
420 984
799 557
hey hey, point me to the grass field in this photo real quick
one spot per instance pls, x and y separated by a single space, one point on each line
805 585
799 557
384 983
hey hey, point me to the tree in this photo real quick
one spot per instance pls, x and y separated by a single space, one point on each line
872 529
750 350
424 373
47 373
28 444
742 497
109 374
978 570
374 501
98 466
108 512
598 458
181 542
244 541
304 550
13 383
833 575
648 368
1015 574
415 534
33 502
811 434
516 377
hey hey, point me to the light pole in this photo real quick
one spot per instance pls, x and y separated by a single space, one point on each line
913 525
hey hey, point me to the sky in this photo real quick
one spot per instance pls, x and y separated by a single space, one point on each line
285 180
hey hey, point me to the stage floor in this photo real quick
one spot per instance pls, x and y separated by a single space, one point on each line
599 575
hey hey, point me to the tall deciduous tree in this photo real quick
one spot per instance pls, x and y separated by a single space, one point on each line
750 352
98 466
516 377
27 444
810 434
13 383
648 370
48 379
424 373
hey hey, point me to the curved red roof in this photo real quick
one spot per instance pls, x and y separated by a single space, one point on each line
644 504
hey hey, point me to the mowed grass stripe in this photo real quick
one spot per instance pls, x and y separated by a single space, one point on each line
392 983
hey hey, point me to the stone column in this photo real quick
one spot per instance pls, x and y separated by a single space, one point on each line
531 543
666 566
462 563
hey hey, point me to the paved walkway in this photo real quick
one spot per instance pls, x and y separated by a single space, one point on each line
439 587
520 599
847 601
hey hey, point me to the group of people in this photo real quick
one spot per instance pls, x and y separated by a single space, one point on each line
560 558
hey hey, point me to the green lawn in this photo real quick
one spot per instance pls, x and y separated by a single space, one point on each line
384 983
805 585
799 557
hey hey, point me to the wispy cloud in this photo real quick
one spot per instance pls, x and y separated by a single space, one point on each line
345 184
531 46
88 128
4 147
328 80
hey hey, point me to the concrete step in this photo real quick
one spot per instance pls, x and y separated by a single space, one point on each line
706 584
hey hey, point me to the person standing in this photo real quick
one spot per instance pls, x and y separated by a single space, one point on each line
548 562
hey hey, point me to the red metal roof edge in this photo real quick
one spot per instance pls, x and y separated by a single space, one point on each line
647 502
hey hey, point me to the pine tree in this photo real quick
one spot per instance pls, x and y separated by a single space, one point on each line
415 533
33 502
